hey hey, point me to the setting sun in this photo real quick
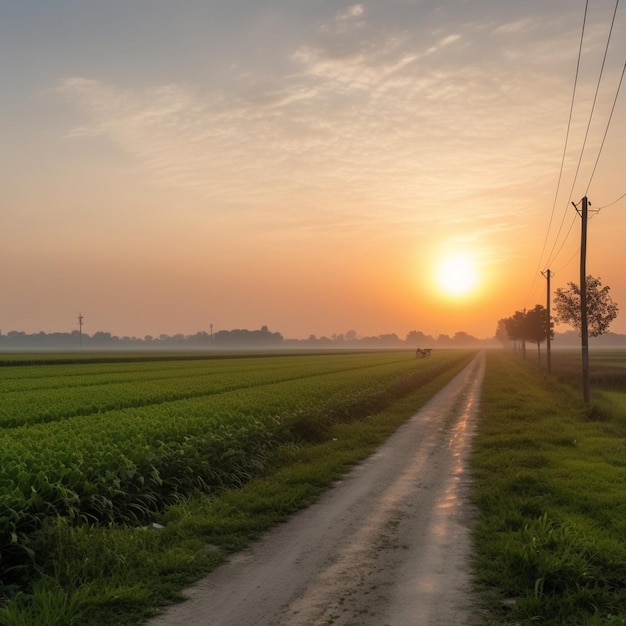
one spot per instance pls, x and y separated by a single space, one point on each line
457 275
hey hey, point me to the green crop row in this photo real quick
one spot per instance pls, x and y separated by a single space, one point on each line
28 375
87 389
125 465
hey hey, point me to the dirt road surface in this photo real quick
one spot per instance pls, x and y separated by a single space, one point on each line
388 545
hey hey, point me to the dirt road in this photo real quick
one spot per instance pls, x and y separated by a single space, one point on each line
387 545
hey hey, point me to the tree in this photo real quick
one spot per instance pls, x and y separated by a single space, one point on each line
537 326
462 338
444 340
416 338
516 329
502 334
352 336
601 310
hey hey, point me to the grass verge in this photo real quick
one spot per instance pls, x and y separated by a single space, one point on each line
549 477
120 576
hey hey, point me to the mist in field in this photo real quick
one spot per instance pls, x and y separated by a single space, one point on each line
264 339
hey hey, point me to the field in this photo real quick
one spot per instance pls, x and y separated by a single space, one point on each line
607 369
550 475
119 470
112 443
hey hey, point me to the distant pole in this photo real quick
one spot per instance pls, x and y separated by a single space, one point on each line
548 274
211 327
80 329
584 331
524 335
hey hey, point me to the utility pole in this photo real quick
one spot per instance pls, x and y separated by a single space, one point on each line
584 331
80 329
524 335
548 275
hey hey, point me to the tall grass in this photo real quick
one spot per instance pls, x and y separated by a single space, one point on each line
550 481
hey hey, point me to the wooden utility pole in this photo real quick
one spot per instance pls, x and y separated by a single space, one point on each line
80 329
584 331
548 274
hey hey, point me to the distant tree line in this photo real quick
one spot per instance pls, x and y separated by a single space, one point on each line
523 326
231 339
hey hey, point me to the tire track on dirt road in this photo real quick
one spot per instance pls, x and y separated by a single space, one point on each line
389 544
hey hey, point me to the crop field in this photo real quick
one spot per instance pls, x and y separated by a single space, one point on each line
607 368
114 441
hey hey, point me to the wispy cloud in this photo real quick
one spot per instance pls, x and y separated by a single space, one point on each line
383 119
344 21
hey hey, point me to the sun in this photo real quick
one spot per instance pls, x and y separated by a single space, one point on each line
457 275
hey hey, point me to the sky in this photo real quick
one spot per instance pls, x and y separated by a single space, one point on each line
308 165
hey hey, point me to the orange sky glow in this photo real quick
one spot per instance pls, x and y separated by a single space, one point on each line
310 167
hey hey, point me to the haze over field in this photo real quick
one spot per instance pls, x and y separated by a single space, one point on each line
310 166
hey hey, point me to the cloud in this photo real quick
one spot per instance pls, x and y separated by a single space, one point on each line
405 124
352 12
346 21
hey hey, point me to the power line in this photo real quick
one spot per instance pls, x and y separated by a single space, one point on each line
619 86
593 105
606 206
569 231
569 125
558 185
552 257
591 214
555 255
569 260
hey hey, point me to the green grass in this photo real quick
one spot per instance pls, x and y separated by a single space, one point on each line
118 575
550 475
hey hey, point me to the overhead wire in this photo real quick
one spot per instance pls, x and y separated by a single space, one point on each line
553 256
568 261
558 185
569 231
606 206
569 125
582 150
606 130
593 105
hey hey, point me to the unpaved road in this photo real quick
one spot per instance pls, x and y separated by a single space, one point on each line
388 545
